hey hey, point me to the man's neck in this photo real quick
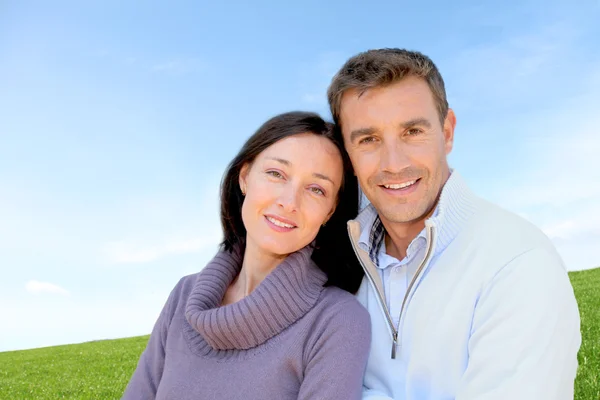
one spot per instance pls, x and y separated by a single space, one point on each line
399 236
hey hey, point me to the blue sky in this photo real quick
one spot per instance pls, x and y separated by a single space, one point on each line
117 120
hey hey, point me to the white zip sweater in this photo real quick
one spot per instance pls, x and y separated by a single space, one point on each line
491 314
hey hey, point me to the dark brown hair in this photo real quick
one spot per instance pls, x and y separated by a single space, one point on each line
333 252
381 67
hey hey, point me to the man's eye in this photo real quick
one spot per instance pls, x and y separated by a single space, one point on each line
366 140
414 131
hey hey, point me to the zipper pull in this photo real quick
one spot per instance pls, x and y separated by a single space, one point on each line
394 345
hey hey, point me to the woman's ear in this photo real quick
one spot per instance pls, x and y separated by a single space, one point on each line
243 178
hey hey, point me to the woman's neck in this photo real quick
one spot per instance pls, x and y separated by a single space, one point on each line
256 266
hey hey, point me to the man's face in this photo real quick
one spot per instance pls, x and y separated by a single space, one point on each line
398 147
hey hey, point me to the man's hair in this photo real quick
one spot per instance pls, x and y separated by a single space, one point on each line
382 67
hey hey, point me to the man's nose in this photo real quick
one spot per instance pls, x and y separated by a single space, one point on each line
393 157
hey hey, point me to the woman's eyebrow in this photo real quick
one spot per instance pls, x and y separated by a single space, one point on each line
281 160
324 177
288 163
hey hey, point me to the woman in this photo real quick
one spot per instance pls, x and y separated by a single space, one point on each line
272 315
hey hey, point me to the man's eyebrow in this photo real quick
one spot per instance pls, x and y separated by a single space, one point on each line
355 134
416 122
281 160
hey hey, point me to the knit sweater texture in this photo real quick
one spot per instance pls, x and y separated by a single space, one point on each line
291 338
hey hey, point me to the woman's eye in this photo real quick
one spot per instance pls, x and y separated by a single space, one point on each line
318 191
275 174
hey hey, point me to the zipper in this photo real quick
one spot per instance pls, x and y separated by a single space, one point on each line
380 296
412 282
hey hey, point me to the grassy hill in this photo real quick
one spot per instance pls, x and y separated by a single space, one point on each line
94 370
587 291
101 370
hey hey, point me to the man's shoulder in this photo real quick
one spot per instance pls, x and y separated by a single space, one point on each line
495 225
487 221
496 237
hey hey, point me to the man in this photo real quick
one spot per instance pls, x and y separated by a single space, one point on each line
467 301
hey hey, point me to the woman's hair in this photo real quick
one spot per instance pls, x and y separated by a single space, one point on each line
333 252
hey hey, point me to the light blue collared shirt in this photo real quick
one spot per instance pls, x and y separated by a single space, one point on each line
395 274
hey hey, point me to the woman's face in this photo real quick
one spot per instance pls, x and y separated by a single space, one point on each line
291 190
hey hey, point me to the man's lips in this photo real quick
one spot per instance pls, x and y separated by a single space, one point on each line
400 188
399 185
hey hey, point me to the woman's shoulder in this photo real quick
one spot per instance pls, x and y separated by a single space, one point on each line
342 307
340 322
333 294
181 291
187 282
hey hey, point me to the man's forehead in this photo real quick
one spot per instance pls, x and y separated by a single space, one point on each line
354 102
410 94
355 95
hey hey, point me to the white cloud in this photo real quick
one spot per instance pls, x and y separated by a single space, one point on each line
100 53
562 229
37 287
565 206
178 66
536 150
137 228
557 187
129 252
163 226
316 77
562 168
67 322
514 71
314 98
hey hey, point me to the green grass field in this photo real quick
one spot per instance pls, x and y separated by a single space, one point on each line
587 291
94 370
101 370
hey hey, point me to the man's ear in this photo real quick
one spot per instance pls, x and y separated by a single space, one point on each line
243 178
449 125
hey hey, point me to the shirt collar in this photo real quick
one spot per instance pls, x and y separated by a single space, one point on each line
455 206
368 217
372 236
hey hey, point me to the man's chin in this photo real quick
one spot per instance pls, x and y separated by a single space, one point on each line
396 216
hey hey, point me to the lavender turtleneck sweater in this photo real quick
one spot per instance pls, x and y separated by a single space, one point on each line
291 338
